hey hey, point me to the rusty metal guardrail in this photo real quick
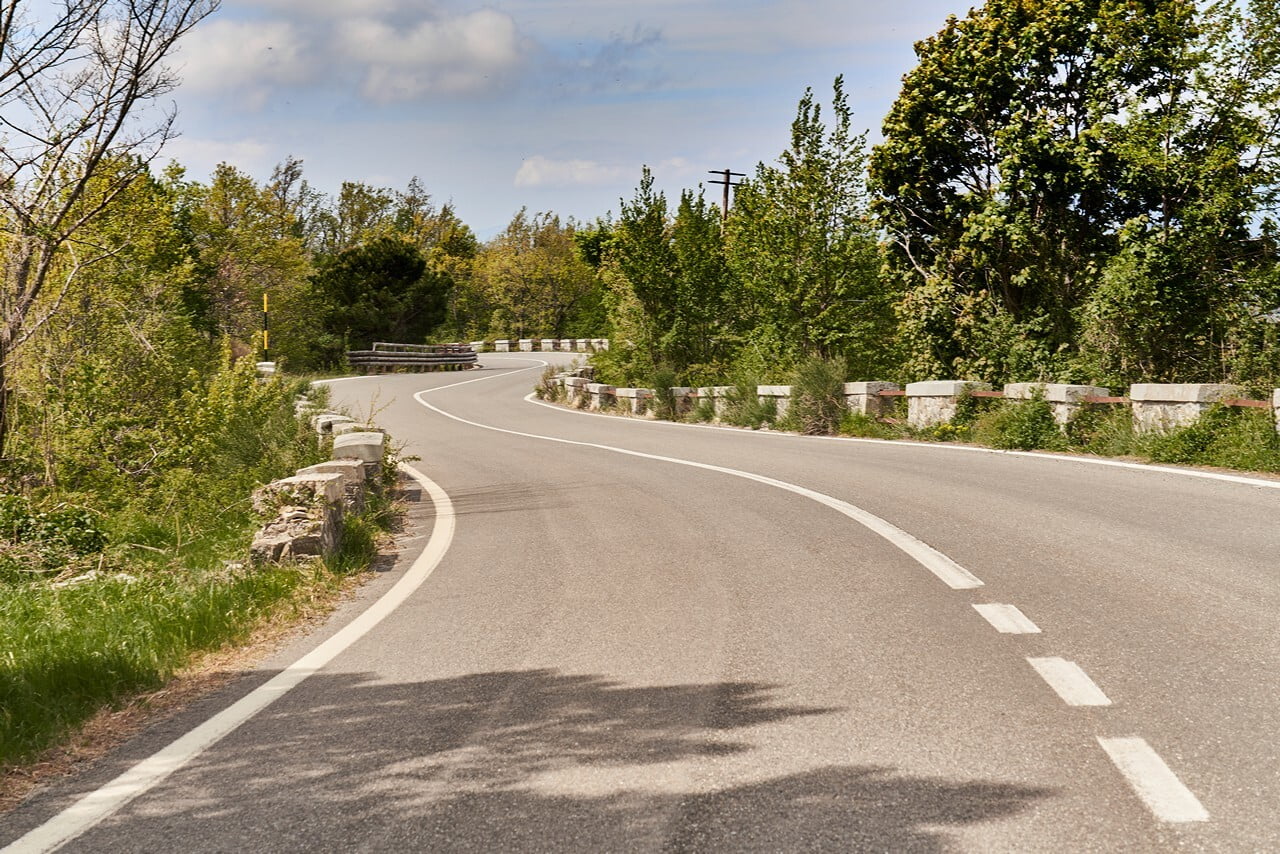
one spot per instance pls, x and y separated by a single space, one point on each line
387 357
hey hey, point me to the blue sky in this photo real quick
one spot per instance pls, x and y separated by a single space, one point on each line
550 104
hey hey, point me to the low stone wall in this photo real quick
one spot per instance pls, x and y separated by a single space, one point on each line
1160 406
865 398
634 401
1064 400
937 401
719 397
303 514
601 396
541 345
779 394
1155 406
575 388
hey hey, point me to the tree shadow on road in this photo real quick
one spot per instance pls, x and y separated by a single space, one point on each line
536 761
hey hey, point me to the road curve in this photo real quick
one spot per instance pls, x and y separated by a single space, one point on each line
651 637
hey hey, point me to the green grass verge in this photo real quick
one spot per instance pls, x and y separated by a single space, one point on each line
67 653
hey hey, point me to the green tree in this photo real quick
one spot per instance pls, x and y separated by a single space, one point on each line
119 351
1179 299
533 279
450 248
247 243
702 333
75 80
379 291
1001 183
801 244
667 286
360 213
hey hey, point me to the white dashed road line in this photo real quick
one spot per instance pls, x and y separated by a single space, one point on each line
1153 780
1072 684
1007 619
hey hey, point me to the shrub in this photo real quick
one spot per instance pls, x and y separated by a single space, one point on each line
664 402
37 542
1104 430
1223 436
817 397
864 426
1023 425
743 407
548 387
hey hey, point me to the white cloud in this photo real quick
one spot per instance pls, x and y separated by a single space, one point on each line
450 55
200 156
539 171
246 58
331 8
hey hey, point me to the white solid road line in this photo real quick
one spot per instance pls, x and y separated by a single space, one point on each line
1157 785
1072 684
99 804
947 570
1007 619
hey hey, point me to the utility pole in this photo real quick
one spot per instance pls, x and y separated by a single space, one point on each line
728 182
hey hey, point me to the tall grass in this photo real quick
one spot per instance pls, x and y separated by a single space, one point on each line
69 652
170 582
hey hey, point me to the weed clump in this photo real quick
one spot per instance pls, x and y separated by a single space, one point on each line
817 397
743 407
1021 425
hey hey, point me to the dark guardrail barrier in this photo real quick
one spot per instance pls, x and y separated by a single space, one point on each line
389 358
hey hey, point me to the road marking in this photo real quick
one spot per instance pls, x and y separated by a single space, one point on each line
1007 619
1153 780
948 571
1072 684
99 804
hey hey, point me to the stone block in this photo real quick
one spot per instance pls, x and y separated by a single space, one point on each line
266 369
864 397
526 345
478 346
780 394
1275 406
309 489
1159 407
350 471
366 447
935 401
580 345
353 427
325 422
575 389
637 401
1064 399
601 396
502 345
353 480
566 345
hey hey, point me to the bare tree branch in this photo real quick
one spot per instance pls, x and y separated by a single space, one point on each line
74 88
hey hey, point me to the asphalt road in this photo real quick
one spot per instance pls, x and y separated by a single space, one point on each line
621 651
